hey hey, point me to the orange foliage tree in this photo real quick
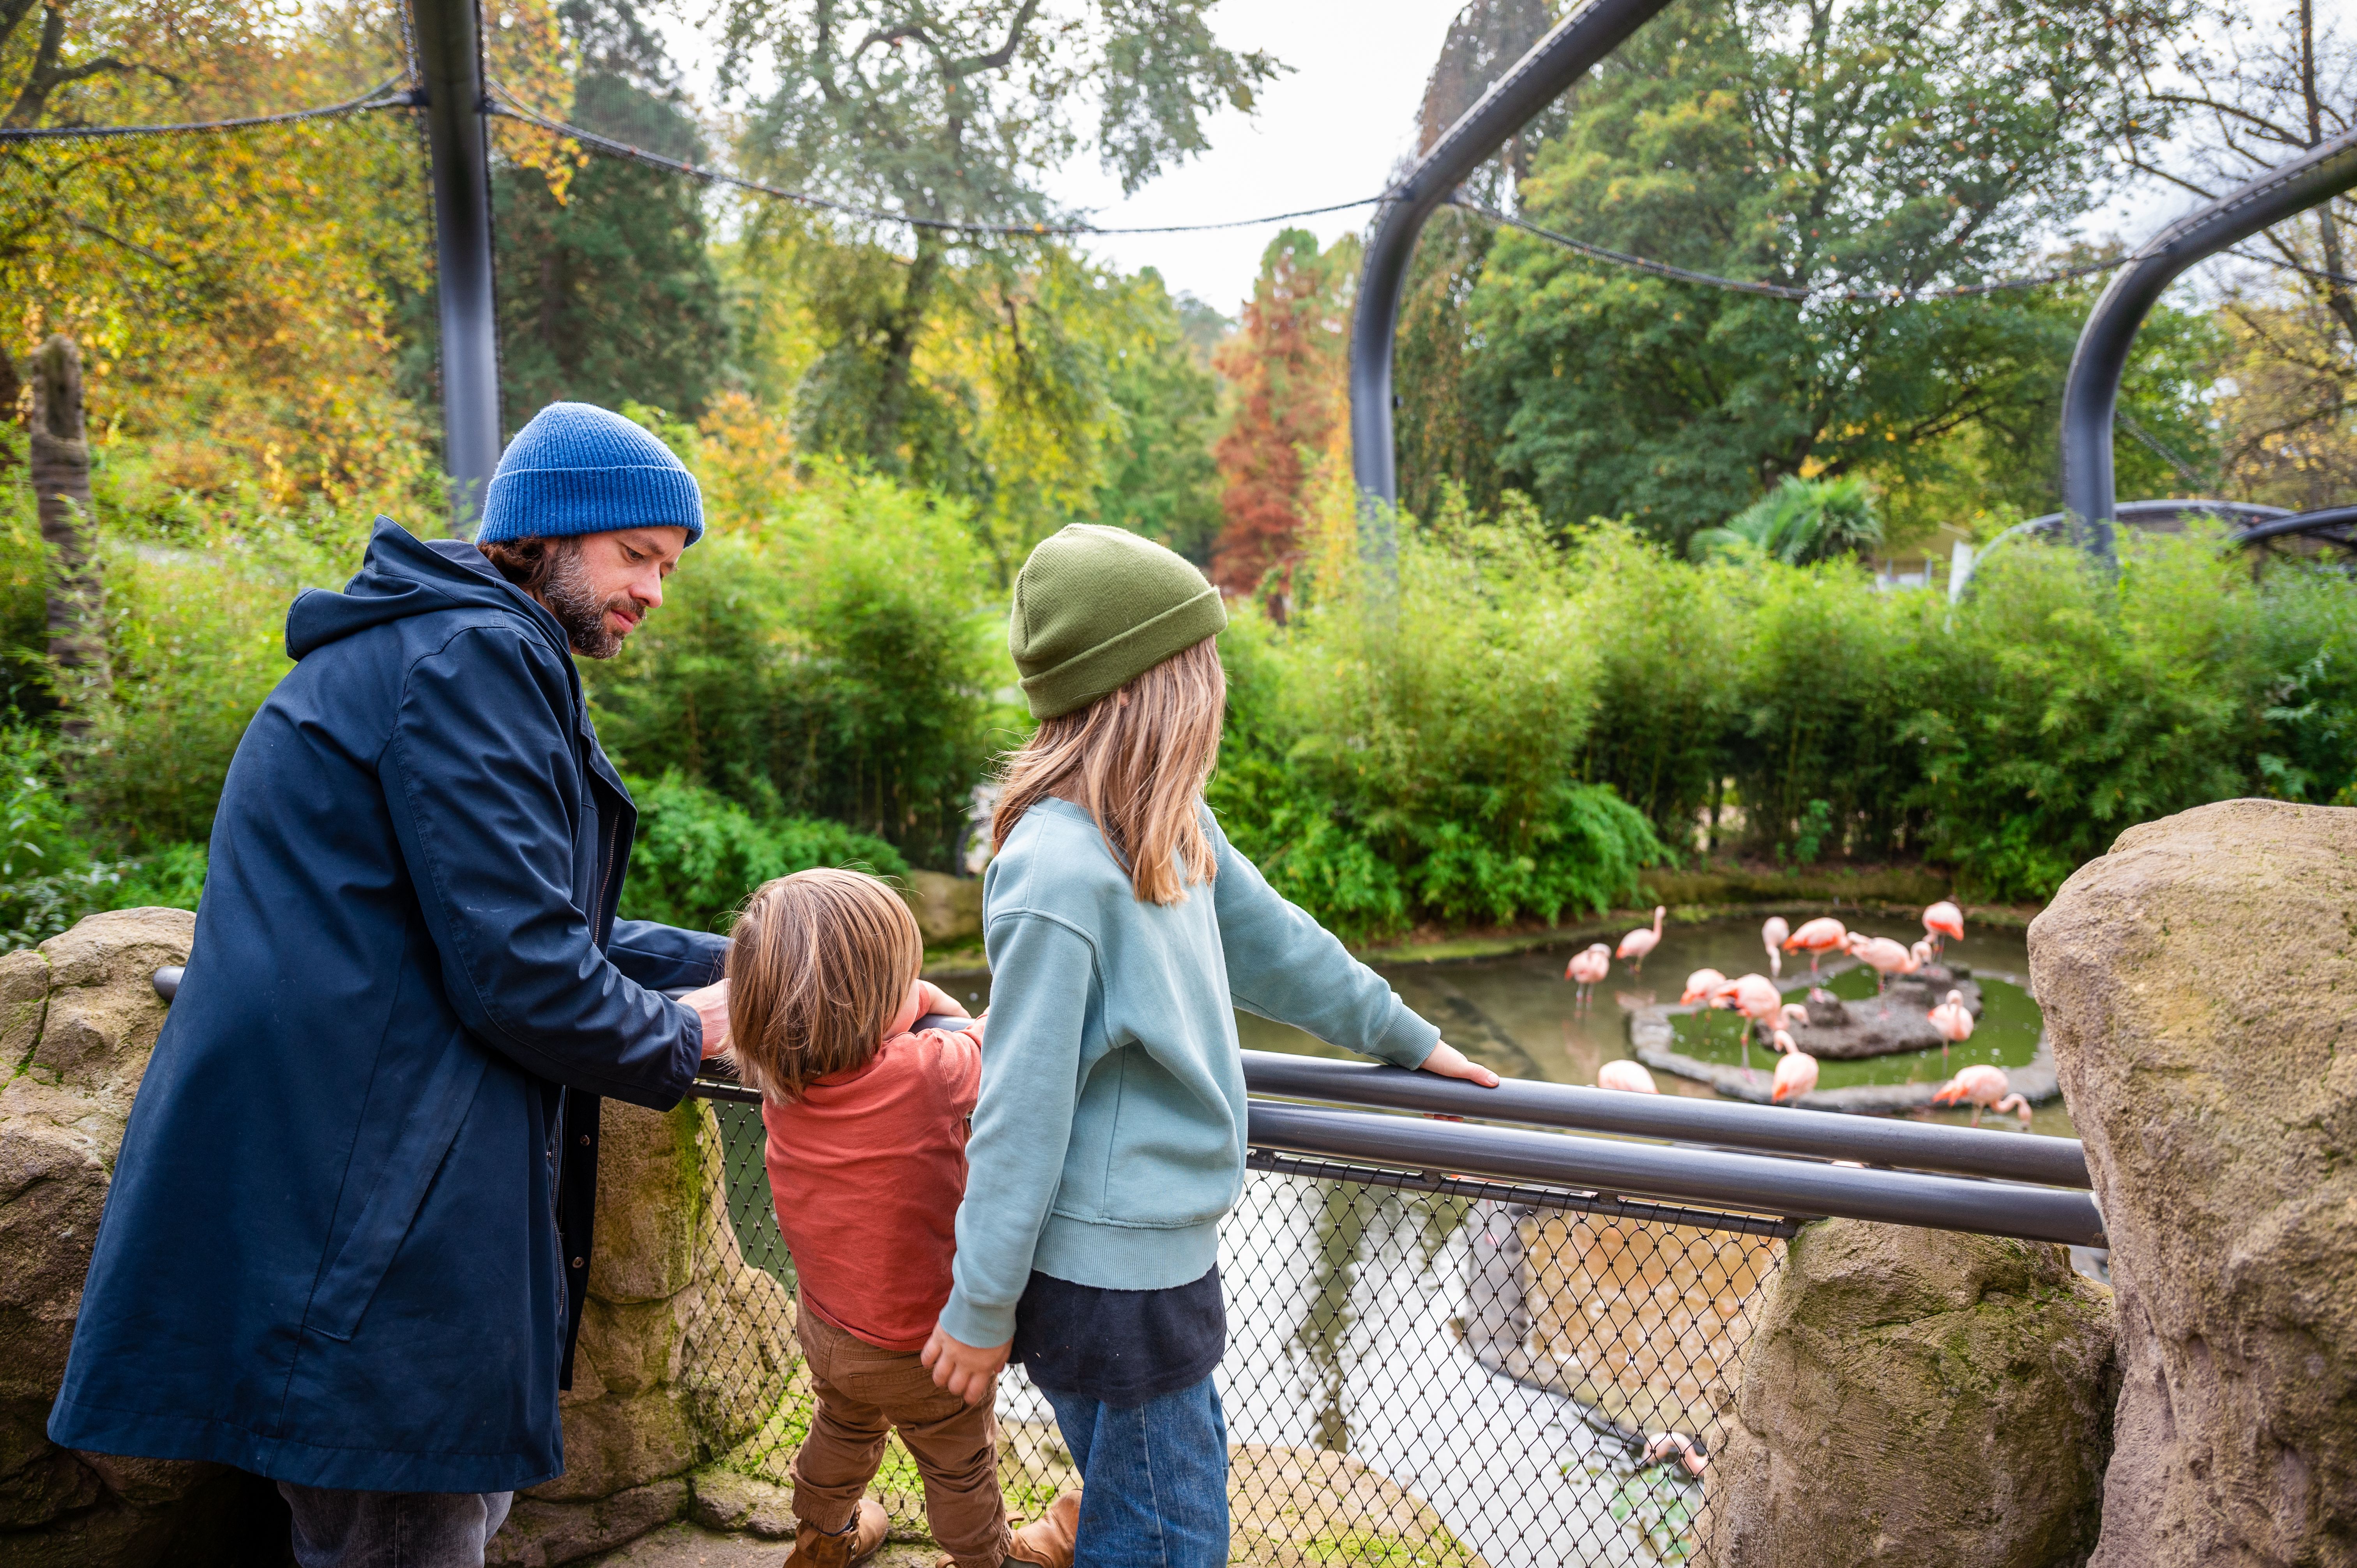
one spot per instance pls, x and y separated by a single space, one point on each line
1287 364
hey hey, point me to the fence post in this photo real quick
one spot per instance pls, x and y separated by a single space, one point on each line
450 60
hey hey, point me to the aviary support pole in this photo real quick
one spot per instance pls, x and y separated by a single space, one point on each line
1592 31
450 58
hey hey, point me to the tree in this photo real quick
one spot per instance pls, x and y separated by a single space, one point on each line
1287 364
954 114
1884 147
608 289
1160 477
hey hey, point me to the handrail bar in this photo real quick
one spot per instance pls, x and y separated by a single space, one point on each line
1833 1134
1759 1184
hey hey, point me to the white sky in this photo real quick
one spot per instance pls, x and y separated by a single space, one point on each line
1329 132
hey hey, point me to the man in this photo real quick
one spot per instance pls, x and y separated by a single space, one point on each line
349 1224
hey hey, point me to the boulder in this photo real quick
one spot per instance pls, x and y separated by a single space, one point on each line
1916 1397
948 908
2200 986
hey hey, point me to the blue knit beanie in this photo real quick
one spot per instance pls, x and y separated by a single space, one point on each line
577 468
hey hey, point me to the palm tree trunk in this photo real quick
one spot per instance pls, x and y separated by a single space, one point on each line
60 464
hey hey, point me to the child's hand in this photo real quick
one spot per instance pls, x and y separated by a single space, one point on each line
934 1000
965 1371
1450 1062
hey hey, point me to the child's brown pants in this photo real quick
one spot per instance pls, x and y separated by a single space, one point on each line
863 1394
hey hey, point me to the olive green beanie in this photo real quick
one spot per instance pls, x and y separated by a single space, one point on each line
1096 607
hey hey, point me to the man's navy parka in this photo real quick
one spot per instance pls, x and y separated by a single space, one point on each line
332 1253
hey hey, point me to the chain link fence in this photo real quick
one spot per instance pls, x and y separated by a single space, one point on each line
1423 1371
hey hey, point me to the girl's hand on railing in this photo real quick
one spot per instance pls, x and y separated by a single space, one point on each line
1450 1062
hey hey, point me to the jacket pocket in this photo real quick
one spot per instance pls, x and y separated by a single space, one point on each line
410 1168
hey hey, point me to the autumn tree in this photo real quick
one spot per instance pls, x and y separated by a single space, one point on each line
1286 365
955 114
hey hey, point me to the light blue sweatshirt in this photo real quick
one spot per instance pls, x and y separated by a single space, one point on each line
1109 1139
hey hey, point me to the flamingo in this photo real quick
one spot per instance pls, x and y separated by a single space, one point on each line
1987 1089
1676 1447
1640 941
1588 966
1944 919
1756 997
1700 985
1955 1022
1774 933
1626 1075
1884 956
1817 938
1793 1013
1796 1074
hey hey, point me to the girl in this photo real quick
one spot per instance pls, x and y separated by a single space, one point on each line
1122 930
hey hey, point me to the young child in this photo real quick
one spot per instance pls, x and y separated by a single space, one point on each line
866 1126
1123 929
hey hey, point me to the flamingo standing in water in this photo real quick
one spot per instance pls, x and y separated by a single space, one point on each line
1817 938
1796 1074
1640 941
1701 986
1955 1022
1587 967
1756 997
1882 955
1774 933
1987 1089
1944 919
1626 1075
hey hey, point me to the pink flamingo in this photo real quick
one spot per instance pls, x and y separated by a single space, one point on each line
1700 985
1639 942
1756 997
1626 1075
1817 938
1676 1447
1793 1013
1882 955
1774 933
1588 966
1796 1074
1955 1022
1986 1088
1944 919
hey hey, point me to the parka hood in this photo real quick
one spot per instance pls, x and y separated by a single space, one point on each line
404 575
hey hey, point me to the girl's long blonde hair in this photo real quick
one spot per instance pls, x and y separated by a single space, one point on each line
1136 759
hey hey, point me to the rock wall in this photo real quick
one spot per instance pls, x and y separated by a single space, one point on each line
2200 985
1916 1397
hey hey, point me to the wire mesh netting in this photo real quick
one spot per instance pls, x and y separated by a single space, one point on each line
1421 1370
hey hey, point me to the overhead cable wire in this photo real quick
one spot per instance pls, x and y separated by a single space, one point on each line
1773 290
2294 267
508 108
382 97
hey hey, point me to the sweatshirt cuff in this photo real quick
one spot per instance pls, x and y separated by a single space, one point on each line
983 1328
1409 1039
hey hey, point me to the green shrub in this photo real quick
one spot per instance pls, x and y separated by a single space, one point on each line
1389 761
836 660
698 854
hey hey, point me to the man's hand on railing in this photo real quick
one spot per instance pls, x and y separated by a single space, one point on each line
1450 1062
967 1371
711 1003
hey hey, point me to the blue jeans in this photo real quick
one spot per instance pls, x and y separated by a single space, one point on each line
1153 1478
394 1530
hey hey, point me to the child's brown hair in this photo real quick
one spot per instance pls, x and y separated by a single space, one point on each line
818 964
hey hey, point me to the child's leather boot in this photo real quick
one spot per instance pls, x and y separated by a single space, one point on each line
1047 1541
855 1543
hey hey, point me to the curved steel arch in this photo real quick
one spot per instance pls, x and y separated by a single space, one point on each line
1569 51
2090 395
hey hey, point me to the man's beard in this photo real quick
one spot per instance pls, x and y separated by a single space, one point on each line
574 600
